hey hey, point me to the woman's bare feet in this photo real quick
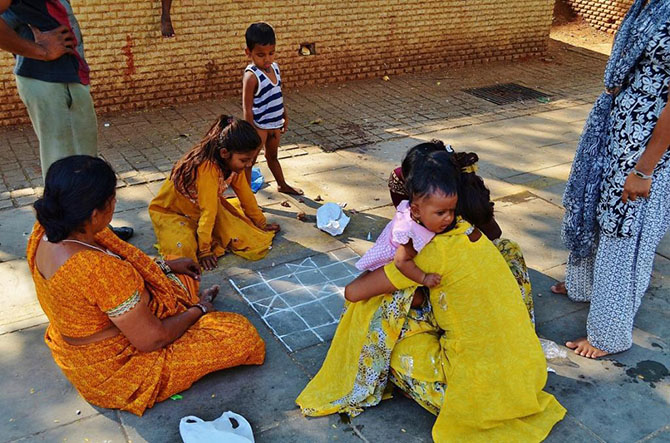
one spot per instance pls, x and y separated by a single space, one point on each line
292 190
210 294
582 347
559 288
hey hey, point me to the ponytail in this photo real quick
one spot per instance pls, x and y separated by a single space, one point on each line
474 198
228 132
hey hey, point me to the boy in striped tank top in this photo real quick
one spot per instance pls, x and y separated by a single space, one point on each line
262 98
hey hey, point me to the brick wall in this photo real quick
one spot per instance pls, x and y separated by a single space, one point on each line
133 67
605 15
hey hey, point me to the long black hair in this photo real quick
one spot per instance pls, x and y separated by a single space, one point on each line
73 188
227 132
474 200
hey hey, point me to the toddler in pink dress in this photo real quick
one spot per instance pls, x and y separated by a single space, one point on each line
400 241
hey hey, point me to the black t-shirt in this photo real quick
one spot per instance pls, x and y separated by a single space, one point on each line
46 15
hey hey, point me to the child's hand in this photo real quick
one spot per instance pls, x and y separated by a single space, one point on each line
272 227
208 262
432 280
285 127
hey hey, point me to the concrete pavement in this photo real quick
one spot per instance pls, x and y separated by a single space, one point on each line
346 140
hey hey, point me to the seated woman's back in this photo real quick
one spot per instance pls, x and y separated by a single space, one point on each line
489 343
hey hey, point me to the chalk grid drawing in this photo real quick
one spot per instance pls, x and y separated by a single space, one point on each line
301 301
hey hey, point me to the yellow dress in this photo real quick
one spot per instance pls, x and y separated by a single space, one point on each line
209 224
470 355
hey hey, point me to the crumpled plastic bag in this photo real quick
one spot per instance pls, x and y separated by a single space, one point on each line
222 430
331 218
257 179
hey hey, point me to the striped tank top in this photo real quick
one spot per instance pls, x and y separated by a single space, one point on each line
268 108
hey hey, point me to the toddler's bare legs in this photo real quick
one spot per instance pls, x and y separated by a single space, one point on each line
271 150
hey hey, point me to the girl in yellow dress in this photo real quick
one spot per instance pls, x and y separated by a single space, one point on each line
190 214
469 355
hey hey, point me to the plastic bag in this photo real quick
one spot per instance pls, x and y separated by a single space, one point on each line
331 218
195 430
257 179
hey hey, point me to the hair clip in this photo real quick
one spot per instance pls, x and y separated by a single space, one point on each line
470 169
448 148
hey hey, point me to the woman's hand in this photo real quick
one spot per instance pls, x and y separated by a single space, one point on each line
208 262
185 266
635 187
271 227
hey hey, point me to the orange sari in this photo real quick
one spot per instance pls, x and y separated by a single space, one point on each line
111 373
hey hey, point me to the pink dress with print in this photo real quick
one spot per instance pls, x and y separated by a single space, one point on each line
397 232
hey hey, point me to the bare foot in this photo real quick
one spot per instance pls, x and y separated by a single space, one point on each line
559 288
166 26
210 294
286 189
582 347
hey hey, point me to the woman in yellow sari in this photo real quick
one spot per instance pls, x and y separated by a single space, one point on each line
126 331
190 214
469 355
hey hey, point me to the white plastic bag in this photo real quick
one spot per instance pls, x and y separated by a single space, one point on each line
195 430
331 218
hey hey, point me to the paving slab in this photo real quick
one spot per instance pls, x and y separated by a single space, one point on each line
21 308
15 227
534 224
36 394
301 300
98 428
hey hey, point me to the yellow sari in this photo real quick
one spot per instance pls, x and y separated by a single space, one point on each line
470 356
210 223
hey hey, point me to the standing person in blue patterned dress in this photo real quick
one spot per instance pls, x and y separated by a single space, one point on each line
262 100
617 198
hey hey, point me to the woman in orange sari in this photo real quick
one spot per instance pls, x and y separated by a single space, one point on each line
125 330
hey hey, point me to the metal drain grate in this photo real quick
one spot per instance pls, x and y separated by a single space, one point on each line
506 93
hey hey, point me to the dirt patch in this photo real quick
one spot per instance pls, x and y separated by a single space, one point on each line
577 32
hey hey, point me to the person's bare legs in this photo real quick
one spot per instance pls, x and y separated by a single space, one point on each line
166 20
271 156
263 134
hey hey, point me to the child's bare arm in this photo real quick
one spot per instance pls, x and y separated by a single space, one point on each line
249 84
404 261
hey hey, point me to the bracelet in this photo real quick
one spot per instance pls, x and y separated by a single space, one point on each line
642 175
202 307
164 266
